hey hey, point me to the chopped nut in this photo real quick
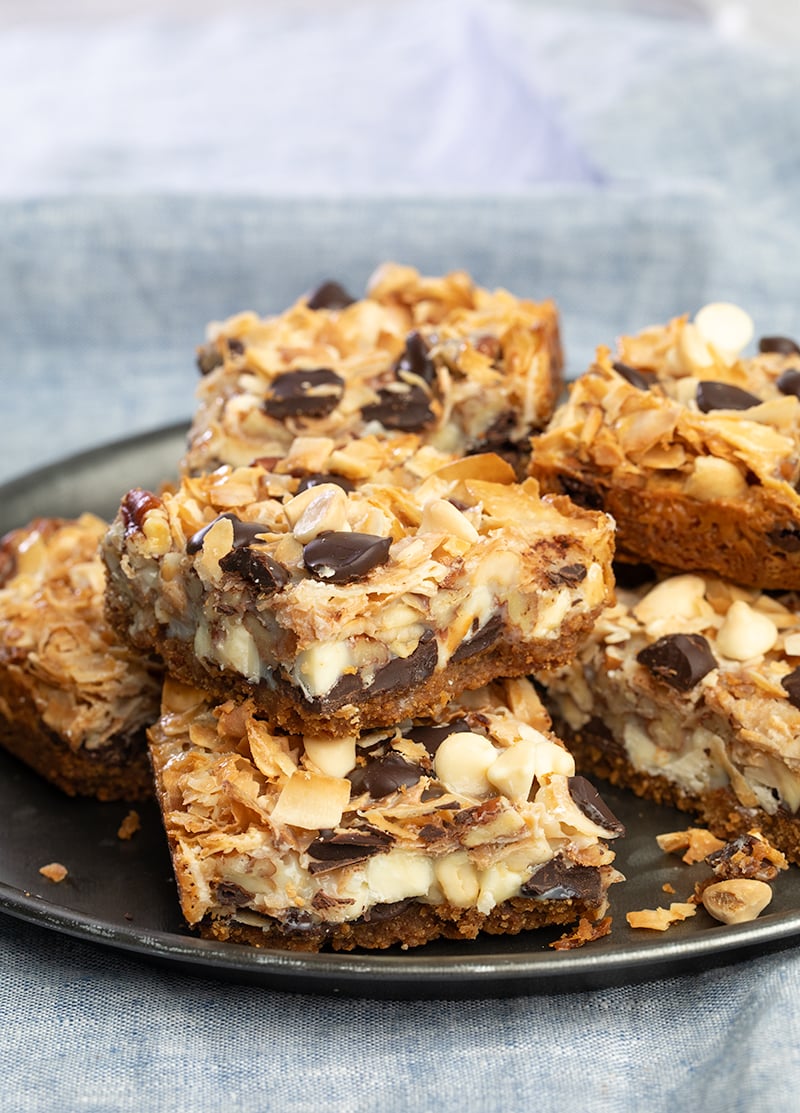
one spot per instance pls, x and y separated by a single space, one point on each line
737 901
130 825
54 871
713 478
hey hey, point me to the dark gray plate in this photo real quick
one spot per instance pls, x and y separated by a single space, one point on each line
121 894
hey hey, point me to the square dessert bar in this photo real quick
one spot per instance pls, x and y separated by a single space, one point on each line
338 611
692 448
418 361
688 692
472 822
74 700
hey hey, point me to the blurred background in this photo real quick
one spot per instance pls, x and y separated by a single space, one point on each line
168 162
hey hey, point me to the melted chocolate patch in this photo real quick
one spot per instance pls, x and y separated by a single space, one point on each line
586 797
791 685
244 533
485 637
581 492
632 375
135 505
569 574
209 358
232 895
784 345
415 359
404 406
257 567
788 382
407 672
713 395
680 660
329 295
559 879
345 848
787 539
431 737
317 478
339 557
345 690
382 775
304 394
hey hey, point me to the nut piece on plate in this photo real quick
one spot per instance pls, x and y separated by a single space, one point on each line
691 446
433 362
688 692
737 901
338 611
380 838
74 699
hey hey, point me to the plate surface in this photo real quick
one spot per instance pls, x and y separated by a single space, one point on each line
121 893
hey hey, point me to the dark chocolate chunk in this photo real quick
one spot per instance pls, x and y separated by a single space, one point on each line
632 575
483 639
588 799
560 879
407 672
380 912
791 685
340 558
788 382
235 347
401 406
257 567
346 689
346 848
244 533
681 660
632 375
569 574
712 395
209 358
317 478
786 538
432 737
415 359
781 344
581 492
313 393
135 505
383 775
499 434
329 295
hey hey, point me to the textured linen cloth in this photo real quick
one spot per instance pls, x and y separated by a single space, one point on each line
630 162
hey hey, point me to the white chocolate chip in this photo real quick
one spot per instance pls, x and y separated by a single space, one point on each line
745 633
462 761
498 883
458 879
791 645
334 756
552 758
513 771
726 326
693 349
737 901
399 874
239 651
319 667
440 516
325 510
714 478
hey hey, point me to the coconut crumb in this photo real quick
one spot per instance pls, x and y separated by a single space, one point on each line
659 919
130 825
697 842
54 871
585 932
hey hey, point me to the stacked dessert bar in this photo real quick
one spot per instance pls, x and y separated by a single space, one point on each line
688 690
348 587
